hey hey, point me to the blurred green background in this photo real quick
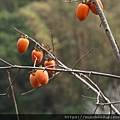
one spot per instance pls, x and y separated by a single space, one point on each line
73 39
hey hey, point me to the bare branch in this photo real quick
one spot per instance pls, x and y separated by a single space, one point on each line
13 95
61 70
98 97
3 94
13 80
108 31
25 93
5 62
7 90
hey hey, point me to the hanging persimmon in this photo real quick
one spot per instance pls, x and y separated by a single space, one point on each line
22 45
82 11
92 6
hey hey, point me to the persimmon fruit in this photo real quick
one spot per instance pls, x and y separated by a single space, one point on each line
33 81
22 45
50 64
37 55
42 77
82 11
92 7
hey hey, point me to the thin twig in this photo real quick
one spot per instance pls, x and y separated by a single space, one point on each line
110 111
7 63
8 88
52 42
98 98
88 97
13 95
25 93
95 109
4 94
71 1
13 80
81 58
35 61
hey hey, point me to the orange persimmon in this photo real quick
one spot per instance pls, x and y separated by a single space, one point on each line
42 77
22 44
37 55
92 7
50 64
82 11
33 81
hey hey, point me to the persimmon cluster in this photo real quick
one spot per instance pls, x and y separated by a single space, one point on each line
37 77
84 8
